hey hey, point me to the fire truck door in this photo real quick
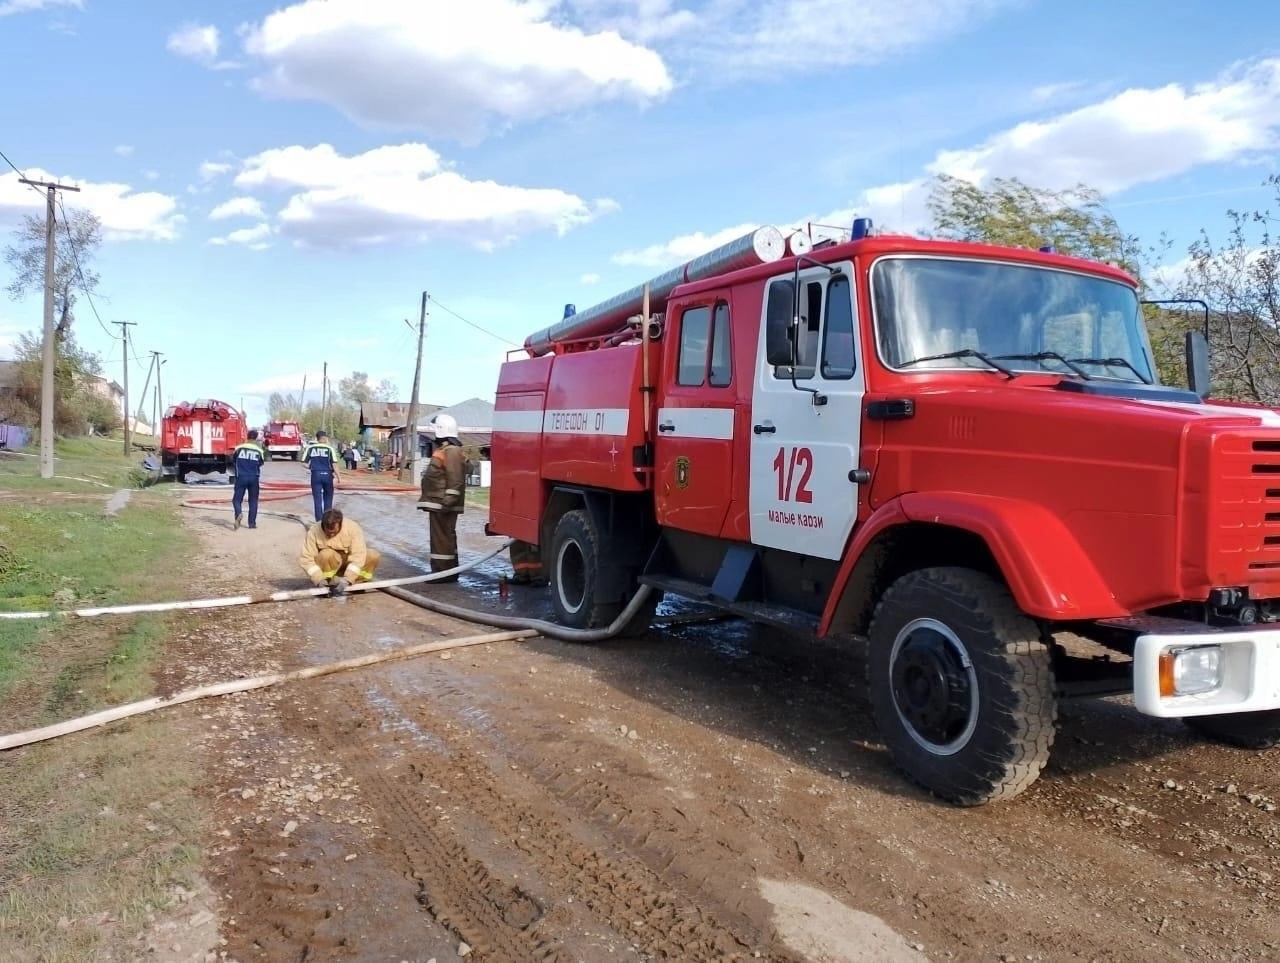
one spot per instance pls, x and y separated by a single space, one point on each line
693 446
805 435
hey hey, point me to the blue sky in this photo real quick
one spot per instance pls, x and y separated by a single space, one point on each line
280 182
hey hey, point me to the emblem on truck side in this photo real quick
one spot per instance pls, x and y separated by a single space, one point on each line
682 472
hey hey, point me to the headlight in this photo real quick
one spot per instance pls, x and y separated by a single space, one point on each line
1192 670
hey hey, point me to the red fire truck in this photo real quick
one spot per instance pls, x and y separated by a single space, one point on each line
200 436
283 438
955 459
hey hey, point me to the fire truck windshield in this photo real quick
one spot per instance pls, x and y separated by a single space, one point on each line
935 312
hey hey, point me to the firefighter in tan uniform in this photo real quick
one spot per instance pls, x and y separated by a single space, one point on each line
335 553
444 489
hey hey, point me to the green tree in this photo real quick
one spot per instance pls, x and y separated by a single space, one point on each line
76 242
1073 221
77 374
355 388
1239 279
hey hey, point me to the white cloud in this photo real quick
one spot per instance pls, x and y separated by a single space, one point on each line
237 207
1138 136
254 238
195 42
284 383
123 150
746 38
8 7
126 214
151 175
403 193
211 170
589 279
680 249
452 69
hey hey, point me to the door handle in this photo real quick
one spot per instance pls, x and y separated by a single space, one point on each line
763 429
666 426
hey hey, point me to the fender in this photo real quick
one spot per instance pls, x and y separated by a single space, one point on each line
1050 575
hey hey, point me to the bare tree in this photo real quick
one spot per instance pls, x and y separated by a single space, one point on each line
1240 281
76 242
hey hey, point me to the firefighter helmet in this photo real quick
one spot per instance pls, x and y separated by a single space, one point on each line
445 426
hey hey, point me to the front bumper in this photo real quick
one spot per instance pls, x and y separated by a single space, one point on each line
1250 673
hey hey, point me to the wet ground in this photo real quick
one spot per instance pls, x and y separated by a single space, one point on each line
710 792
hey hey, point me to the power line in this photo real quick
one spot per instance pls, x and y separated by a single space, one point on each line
21 174
471 323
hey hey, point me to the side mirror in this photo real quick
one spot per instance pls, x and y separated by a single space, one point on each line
1197 363
779 319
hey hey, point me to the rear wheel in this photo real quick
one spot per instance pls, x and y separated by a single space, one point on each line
961 685
575 575
1245 730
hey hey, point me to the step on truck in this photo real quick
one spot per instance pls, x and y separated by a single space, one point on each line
954 459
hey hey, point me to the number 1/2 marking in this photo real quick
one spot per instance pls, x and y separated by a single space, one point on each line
785 468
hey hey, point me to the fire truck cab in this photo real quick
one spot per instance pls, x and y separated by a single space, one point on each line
954 459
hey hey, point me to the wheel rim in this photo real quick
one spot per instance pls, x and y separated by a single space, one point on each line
571 577
934 686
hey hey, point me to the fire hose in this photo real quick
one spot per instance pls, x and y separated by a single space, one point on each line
518 629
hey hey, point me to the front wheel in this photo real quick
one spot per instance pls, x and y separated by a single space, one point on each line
1244 730
961 685
574 578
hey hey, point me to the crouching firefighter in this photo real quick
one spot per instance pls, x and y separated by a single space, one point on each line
335 553
444 490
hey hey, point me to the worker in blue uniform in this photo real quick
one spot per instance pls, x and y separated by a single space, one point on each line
322 459
247 460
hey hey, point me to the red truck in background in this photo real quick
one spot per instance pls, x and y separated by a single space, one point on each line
283 438
954 459
200 436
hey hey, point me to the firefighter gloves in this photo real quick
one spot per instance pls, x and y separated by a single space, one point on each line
340 586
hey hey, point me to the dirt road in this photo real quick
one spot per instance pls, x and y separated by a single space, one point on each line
711 792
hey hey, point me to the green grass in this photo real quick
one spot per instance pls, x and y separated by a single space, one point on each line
97 825
79 464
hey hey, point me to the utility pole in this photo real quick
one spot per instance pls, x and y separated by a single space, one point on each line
159 393
142 398
324 398
411 426
124 341
49 351
302 399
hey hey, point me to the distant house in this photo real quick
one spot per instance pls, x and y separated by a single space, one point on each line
475 426
379 418
108 389
8 376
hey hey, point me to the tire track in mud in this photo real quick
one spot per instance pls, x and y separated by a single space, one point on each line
616 891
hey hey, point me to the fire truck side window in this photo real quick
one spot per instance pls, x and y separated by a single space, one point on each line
721 345
838 360
695 327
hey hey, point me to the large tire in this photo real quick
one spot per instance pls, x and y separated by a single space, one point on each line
961 685
574 568
1244 730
